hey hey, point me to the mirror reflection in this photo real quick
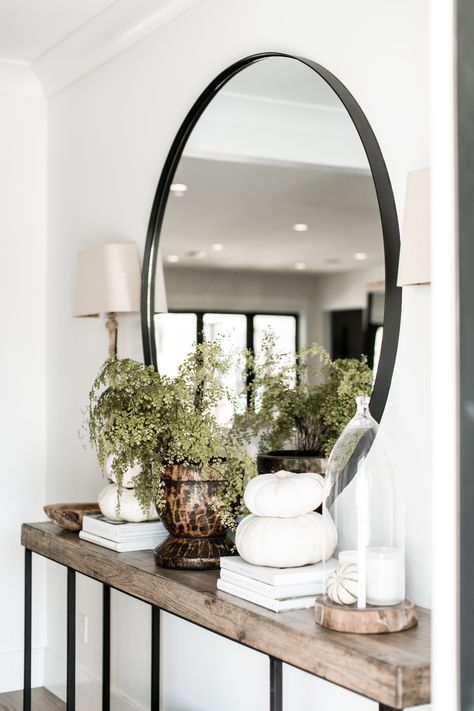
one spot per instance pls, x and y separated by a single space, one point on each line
272 222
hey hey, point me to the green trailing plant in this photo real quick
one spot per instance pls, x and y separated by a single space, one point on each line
146 418
301 402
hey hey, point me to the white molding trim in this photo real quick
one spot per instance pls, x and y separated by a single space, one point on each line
19 79
268 130
11 669
107 34
88 686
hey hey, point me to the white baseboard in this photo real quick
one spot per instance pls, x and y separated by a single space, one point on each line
88 686
11 669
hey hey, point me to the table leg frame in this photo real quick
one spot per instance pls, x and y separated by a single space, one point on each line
276 684
71 641
275 665
155 658
105 647
27 632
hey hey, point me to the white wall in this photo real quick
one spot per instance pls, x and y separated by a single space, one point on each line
108 137
22 359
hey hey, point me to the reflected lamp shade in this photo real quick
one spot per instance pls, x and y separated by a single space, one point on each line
414 265
107 280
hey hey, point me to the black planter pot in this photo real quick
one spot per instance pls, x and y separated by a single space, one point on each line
291 461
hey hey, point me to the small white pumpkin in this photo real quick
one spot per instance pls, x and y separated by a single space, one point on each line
286 542
341 586
129 508
128 476
284 494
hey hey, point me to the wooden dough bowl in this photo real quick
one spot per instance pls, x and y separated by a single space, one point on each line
70 516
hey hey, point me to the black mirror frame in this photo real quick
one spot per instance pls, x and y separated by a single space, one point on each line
386 202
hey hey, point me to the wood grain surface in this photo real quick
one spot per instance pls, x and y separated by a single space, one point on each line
392 669
41 700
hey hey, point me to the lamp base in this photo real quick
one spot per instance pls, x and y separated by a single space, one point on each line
112 327
369 620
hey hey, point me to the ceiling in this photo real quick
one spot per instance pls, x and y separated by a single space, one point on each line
28 28
251 208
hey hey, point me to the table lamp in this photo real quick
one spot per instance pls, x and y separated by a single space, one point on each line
108 281
414 265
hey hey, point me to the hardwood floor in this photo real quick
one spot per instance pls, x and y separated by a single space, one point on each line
41 700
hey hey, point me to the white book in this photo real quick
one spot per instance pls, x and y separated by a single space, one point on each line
279 576
123 546
120 530
296 603
275 592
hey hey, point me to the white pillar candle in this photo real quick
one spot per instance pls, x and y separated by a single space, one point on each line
385 576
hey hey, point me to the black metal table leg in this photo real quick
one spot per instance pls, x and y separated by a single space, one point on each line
155 658
27 633
383 707
276 679
105 648
71 641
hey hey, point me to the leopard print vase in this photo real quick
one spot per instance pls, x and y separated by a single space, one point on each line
197 538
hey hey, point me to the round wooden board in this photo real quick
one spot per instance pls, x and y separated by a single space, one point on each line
370 620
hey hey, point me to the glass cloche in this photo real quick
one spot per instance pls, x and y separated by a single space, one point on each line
361 497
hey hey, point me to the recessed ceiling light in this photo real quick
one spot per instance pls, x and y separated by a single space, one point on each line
360 256
178 189
300 227
172 258
217 247
300 266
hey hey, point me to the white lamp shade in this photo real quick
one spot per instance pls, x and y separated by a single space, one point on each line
107 279
414 266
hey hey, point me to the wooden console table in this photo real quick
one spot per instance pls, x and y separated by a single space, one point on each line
392 669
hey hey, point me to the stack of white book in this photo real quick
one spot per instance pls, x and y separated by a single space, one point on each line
121 536
277 589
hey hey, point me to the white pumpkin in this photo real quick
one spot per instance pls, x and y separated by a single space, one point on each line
284 494
128 476
341 586
129 508
286 542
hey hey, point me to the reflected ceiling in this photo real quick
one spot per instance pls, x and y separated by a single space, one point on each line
250 209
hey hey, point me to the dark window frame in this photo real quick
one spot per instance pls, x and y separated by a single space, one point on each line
249 315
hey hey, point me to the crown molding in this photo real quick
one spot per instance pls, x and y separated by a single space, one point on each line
19 79
106 35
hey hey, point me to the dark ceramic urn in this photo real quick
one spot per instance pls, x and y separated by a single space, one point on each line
197 538
291 461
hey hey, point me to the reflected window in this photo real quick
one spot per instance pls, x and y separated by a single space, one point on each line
377 349
231 331
176 332
284 328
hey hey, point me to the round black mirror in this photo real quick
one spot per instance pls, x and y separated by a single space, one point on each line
274 208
